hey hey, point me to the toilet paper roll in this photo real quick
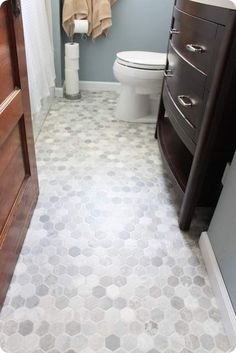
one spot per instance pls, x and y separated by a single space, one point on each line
71 64
72 82
72 50
81 26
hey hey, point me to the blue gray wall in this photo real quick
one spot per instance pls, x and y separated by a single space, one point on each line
137 25
222 232
57 41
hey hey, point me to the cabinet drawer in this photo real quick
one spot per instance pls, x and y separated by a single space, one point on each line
186 131
187 88
194 39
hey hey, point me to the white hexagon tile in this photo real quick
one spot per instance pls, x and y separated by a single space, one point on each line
104 267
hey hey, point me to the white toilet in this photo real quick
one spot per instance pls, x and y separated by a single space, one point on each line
141 75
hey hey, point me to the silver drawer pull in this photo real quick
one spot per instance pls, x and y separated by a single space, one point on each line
174 31
185 101
194 48
168 73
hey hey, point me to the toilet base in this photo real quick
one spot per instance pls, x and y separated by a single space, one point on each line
136 108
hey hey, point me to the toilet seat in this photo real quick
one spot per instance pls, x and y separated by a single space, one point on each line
142 60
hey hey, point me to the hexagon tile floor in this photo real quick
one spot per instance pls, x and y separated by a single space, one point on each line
104 267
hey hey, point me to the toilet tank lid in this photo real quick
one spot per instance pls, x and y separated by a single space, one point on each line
152 59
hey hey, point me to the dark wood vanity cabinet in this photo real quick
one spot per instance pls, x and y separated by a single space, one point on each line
196 127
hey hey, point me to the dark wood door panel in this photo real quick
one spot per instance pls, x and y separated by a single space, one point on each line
7 268
9 148
6 67
11 182
11 110
18 171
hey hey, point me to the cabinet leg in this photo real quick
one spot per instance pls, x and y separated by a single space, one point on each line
161 115
189 203
185 221
156 132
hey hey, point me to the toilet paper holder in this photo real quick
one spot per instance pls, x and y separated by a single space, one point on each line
71 86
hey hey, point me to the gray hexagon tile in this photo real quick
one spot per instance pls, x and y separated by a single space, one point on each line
104 267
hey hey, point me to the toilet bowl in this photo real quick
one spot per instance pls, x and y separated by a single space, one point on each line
141 75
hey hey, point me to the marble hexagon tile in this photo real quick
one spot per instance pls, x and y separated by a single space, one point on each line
104 267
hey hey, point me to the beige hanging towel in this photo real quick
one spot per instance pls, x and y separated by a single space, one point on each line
102 17
76 9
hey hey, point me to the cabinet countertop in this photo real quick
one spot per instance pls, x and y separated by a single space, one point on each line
227 4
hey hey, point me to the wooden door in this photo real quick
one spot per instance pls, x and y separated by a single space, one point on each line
18 172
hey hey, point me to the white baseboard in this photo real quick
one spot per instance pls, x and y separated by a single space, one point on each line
219 288
39 118
95 86
92 86
59 92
